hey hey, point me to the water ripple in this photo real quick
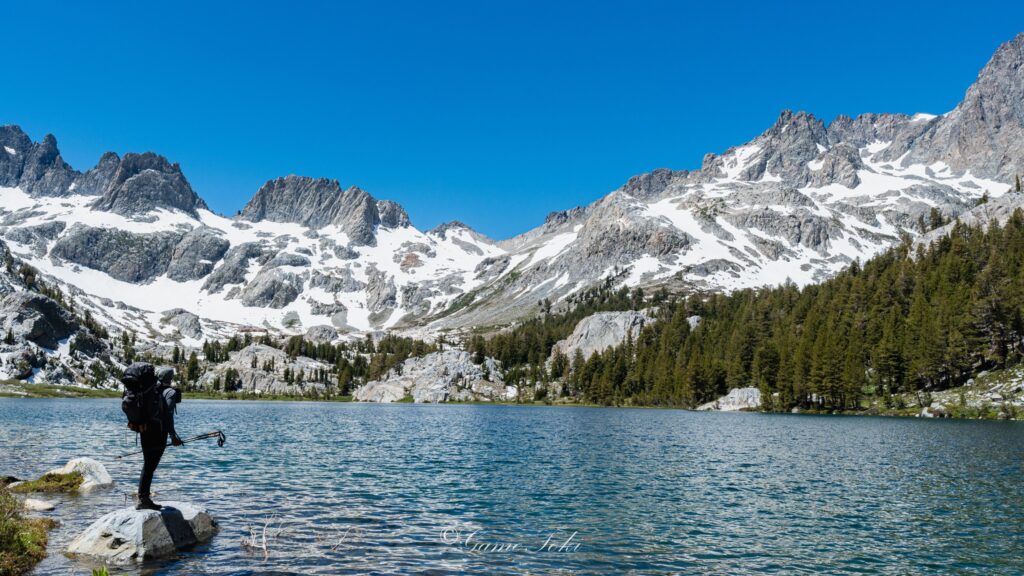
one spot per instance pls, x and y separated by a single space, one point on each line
399 489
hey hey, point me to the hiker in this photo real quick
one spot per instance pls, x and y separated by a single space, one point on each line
149 401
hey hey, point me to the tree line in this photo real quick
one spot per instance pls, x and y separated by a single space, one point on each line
913 319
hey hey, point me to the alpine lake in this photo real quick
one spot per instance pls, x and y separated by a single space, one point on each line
348 488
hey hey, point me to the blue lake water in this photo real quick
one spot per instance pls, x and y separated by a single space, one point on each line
402 489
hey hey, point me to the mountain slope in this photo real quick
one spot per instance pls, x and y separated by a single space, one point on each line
134 243
801 201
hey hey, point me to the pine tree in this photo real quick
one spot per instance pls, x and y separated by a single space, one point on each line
192 368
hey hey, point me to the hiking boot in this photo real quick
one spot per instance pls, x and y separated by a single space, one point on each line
145 503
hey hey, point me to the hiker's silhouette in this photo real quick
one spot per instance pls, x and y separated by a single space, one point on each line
150 402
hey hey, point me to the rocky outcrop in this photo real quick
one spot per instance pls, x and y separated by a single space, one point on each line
997 210
737 399
145 182
838 166
130 536
123 255
599 331
268 375
321 334
38 236
392 215
439 377
94 474
196 254
187 323
319 202
36 318
273 288
235 266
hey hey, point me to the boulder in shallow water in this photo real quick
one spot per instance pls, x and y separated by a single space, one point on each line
129 535
94 474
33 505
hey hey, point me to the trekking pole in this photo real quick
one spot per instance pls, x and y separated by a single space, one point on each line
221 439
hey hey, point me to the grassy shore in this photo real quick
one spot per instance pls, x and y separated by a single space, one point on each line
206 395
18 389
22 539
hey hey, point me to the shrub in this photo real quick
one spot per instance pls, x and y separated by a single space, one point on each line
52 483
22 540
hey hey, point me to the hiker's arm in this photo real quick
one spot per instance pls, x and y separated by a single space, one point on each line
169 417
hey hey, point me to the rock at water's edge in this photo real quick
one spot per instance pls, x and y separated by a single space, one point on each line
94 474
737 399
33 505
129 535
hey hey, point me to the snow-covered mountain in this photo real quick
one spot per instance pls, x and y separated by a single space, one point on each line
136 245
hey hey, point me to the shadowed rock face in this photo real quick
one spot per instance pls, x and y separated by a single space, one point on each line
123 255
143 182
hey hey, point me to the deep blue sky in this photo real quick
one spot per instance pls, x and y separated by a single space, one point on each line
493 113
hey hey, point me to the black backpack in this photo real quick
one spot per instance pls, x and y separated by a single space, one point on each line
141 401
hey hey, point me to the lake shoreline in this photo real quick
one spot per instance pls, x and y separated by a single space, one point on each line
27 390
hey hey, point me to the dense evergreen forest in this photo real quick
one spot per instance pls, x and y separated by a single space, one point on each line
910 320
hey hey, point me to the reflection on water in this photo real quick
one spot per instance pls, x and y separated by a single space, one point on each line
354 488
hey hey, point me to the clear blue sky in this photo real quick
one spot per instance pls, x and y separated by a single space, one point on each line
489 112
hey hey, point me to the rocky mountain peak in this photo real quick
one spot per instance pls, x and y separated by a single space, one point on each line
784 150
37 168
997 96
559 218
320 202
651 184
45 172
94 182
985 132
292 198
392 215
11 135
444 227
144 182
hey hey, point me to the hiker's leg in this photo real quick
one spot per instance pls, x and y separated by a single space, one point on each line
150 460
153 446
